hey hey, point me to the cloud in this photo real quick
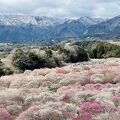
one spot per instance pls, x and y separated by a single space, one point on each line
107 10
61 8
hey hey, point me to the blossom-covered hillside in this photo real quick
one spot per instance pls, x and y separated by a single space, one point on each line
74 92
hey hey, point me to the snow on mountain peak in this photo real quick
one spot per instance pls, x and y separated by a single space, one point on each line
90 20
33 20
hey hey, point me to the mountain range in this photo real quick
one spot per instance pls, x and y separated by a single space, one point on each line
20 28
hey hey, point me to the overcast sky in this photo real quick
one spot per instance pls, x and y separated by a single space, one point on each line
62 8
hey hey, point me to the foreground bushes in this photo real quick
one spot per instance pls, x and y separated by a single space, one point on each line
73 53
57 56
37 58
99 49
32 60
4 70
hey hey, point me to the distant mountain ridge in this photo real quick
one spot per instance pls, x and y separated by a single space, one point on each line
89 20
29 20
18 28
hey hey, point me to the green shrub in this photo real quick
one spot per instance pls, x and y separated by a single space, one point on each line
100 49
73 53
4 70
34 60
29 61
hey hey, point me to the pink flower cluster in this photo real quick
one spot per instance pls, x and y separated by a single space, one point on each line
4 114
91 107
89 92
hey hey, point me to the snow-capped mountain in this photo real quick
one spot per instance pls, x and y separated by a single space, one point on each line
17 20
18 28
22 20
90 20
110 26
